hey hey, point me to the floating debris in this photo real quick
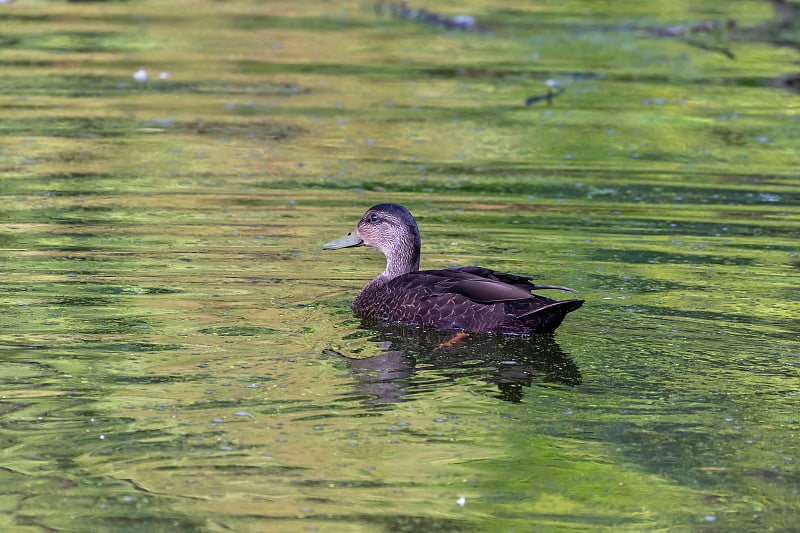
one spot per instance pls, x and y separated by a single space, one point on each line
790 82
554 89
718 31
683 29
423 16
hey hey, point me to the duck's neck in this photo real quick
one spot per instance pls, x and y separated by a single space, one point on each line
402 258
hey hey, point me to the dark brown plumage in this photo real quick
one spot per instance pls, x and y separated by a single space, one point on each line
469 298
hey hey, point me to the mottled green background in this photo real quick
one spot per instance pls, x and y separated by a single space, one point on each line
176 351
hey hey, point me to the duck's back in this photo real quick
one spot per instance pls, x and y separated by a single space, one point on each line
471 298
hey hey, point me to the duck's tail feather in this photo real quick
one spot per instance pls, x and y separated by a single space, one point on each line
536 286
547 318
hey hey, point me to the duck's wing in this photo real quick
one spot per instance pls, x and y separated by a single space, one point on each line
479 289
448 299
510 279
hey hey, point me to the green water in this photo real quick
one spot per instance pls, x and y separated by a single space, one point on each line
178 354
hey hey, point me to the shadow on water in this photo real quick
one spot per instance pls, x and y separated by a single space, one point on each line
413 360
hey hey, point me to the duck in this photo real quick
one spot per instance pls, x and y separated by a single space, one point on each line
469 299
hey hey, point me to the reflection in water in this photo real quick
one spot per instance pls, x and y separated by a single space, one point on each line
413 359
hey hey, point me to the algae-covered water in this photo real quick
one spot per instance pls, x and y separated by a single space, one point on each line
177 353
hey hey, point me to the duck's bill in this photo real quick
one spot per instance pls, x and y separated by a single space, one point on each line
348 241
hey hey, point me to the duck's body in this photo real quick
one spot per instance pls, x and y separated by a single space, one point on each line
470 298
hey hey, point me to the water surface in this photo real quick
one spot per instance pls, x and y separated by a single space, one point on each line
178 353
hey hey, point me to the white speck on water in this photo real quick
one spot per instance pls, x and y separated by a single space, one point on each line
140 75
461 501
243 413
709 518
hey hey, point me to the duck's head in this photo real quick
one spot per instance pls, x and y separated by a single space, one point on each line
391 229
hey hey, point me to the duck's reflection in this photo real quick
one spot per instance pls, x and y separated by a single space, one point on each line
413 360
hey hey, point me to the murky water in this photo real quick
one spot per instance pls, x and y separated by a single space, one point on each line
178 352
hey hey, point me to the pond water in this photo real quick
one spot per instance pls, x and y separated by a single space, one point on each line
178 353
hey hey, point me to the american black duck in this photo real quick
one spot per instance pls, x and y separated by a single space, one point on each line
472 299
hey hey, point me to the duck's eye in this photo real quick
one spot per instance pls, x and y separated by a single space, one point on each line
373 218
